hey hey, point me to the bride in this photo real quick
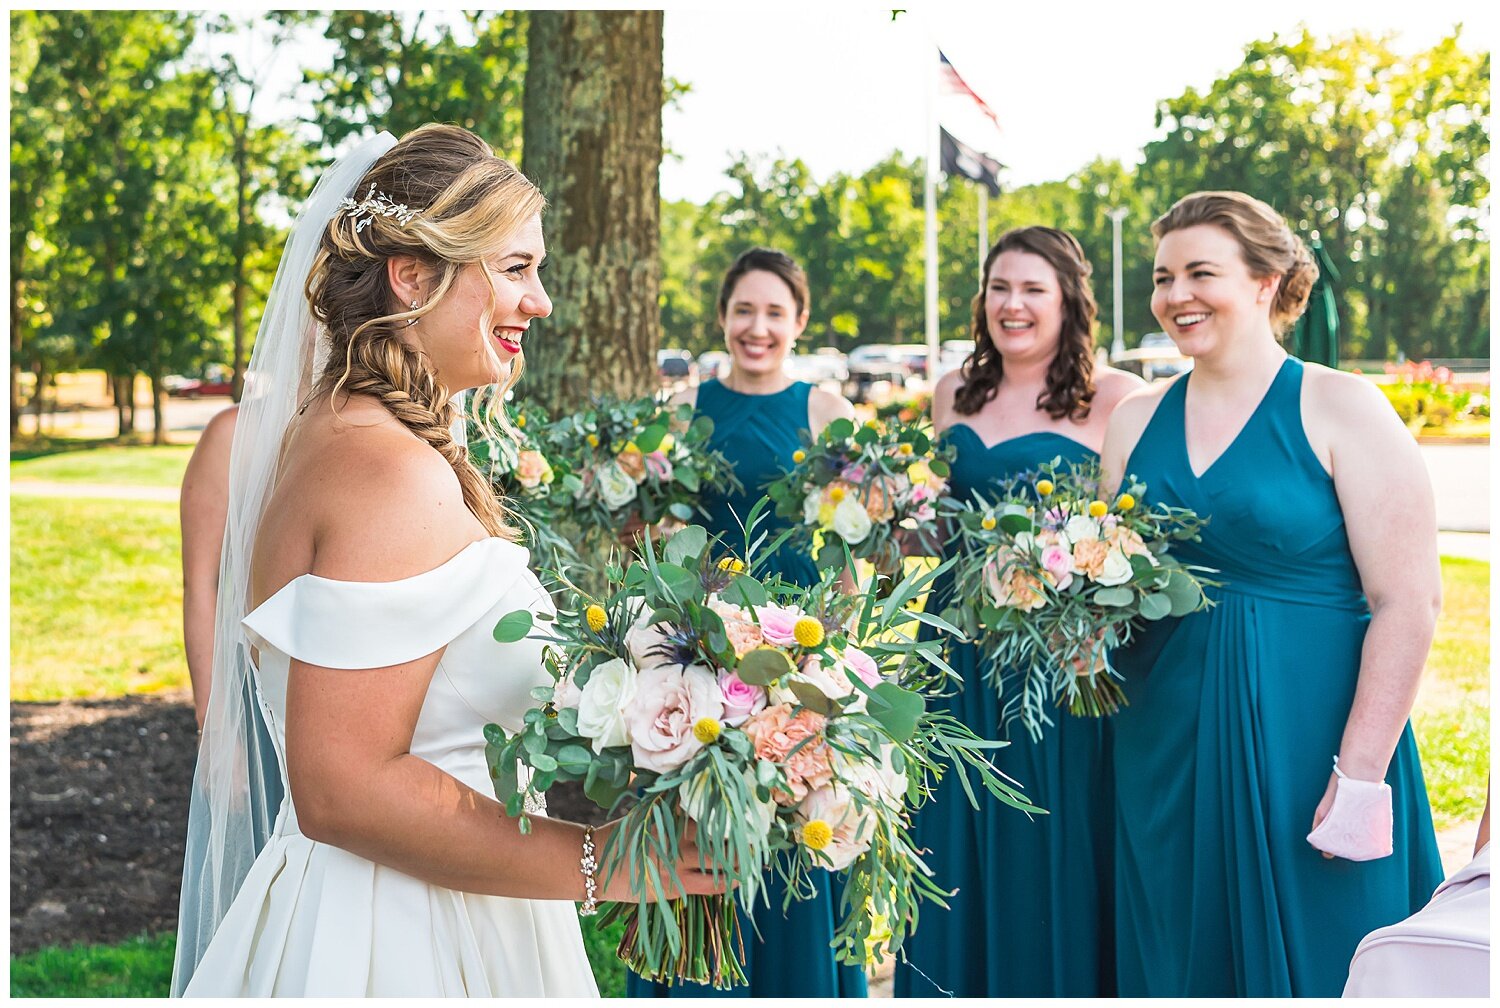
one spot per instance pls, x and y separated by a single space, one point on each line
365 565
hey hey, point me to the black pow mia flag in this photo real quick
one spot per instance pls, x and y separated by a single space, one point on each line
958 158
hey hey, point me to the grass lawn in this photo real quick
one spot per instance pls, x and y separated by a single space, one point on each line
1452 716
142 967
96 598
144 465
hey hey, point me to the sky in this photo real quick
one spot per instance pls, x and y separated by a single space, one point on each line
841 86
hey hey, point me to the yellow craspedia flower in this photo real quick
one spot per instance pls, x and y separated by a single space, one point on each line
593 440
808 632
595 617
706 729
521 420
631 446
873 424
817 834
667 442
836 494
1098 509
1126 502
1045 487
903 449
987 522
799 456
731 565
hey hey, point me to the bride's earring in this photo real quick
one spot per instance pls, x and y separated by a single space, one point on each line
412 322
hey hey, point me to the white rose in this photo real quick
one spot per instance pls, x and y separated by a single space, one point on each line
1116 569
830 680
616 488
853 828
601 706
668 703
641 640
851 521
1081 527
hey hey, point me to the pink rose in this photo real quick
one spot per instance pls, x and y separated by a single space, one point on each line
776 624
854 473
668 702
862 665
740 698
775 733
658 465
1058 563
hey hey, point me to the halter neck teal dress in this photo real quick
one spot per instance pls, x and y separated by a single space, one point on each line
1235 715
758 434
1033 915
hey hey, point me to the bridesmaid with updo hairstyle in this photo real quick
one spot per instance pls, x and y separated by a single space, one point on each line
1255 841
1032 916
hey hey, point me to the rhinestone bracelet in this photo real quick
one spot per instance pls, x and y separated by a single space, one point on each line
588 865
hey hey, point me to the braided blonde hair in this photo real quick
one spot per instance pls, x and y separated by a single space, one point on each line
467 200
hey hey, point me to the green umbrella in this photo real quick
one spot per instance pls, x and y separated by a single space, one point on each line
1315 337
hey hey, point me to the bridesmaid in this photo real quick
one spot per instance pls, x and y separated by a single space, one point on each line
1242 717
1032 917
758 413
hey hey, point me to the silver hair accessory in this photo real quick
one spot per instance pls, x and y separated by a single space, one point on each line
376 204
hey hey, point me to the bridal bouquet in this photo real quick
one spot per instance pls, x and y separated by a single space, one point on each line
1053 576
520 471
778 720
855 486
637 459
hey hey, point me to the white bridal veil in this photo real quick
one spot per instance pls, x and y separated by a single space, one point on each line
237 785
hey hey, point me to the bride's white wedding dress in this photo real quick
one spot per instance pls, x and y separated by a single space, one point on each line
312 919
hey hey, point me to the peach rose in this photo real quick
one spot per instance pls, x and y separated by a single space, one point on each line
775 733
633 462
532 469
743 634
1089 556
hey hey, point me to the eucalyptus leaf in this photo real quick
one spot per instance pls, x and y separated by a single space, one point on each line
513 626
1119 595
903 712
687 544
763 666
1013 524
1155 606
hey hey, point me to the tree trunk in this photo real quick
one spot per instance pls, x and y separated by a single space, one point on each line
158 408
592 142
122 404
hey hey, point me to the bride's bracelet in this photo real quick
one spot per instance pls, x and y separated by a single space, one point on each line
588 866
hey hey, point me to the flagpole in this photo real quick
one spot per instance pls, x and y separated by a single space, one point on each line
984 230
929 202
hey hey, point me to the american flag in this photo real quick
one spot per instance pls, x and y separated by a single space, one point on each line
954 84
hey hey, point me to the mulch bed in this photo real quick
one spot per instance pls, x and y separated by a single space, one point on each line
98 814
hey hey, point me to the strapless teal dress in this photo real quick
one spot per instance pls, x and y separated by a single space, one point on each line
1033 915
758 434
1235 715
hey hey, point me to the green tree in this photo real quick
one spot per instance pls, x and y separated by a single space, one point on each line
396 70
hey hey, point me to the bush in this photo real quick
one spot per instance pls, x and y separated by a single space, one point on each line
1425 397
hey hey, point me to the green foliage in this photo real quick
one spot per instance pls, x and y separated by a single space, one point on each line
140 967
395 70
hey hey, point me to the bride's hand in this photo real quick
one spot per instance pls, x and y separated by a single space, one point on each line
695 880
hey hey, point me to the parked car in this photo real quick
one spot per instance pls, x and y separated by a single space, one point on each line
676 367
1156 357
216 381
713 364
875 371
816 368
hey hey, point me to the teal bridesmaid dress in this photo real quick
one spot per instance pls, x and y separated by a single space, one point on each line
1033 913
1235 715
791 957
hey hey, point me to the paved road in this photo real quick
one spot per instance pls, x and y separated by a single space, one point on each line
1461 483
